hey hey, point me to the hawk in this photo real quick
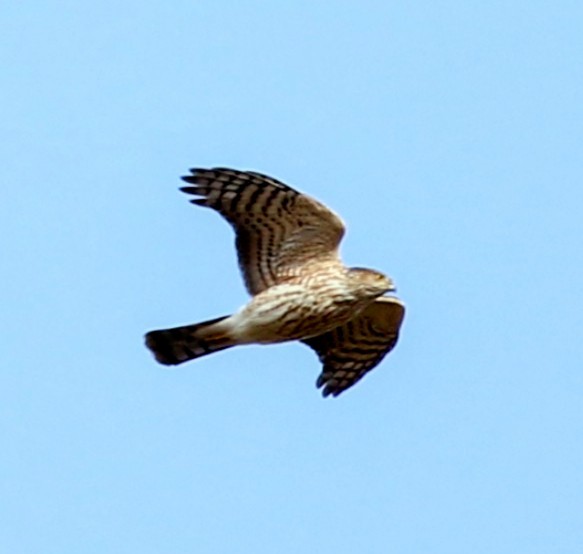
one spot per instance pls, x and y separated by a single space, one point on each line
287 246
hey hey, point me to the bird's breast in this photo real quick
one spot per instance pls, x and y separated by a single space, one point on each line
295 311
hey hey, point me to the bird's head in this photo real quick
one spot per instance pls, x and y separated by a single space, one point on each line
370 282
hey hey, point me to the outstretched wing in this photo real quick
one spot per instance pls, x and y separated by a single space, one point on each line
351 350
279 230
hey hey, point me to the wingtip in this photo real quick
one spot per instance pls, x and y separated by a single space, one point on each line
329 388
195 190
331 392
188 190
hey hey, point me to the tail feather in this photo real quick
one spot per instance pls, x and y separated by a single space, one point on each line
181 344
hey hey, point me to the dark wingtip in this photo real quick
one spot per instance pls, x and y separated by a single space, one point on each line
329 387
195 190
189 190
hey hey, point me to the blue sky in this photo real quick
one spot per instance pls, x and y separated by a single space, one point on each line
449 137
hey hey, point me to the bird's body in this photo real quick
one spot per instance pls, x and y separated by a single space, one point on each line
290 311
287 247
294 311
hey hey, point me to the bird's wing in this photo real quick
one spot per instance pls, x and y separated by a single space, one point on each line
278 230
351 350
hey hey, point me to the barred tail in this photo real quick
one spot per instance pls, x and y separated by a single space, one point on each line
180 344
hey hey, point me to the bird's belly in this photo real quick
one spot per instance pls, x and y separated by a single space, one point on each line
291 312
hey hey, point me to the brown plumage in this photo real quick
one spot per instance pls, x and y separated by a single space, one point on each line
287 245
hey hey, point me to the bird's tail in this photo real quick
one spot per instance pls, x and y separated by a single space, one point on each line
180 344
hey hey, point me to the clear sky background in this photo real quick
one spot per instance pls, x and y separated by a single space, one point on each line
448 135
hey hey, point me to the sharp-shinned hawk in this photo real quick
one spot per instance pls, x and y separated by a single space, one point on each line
287 245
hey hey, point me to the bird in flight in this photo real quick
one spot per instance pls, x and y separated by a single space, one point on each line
287 246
